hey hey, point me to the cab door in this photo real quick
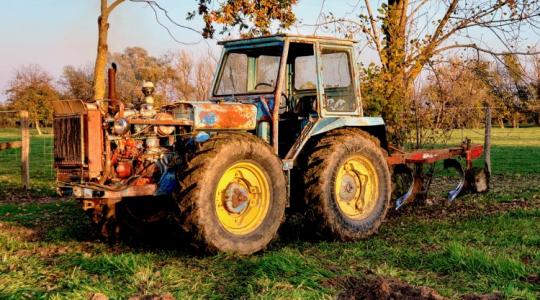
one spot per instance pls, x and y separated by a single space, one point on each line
338 83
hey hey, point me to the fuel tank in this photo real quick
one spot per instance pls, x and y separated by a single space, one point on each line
224 115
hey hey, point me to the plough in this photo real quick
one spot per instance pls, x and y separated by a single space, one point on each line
419 165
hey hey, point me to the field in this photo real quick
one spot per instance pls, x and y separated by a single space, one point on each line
479 244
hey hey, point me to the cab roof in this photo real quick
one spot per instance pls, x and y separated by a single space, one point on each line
283 37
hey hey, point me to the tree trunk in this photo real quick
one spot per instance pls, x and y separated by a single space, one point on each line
398 85
36 122
101 58
501 123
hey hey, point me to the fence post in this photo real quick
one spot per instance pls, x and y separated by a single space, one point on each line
487 142
25 150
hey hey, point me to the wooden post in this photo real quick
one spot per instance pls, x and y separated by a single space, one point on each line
25 150
487 142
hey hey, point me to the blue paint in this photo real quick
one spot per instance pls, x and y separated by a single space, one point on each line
209 118
202 137
264 111
326 124
167 183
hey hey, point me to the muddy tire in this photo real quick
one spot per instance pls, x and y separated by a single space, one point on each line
347 185
232 194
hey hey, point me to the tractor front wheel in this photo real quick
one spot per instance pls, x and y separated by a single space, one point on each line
232 194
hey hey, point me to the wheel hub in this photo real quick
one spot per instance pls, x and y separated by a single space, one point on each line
349 188
356 187
242 198
236 198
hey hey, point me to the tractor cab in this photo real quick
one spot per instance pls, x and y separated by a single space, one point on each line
294 80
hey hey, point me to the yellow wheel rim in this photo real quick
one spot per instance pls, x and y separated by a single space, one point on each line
357 187
242 198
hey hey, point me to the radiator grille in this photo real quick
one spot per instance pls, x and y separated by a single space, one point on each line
68 135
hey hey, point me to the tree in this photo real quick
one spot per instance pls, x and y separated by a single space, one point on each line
250 17
204 72
102 47
136 65
32 89
410 35
230 14
535 105
77 82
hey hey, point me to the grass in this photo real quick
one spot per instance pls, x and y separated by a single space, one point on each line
41 159
514 151
479 244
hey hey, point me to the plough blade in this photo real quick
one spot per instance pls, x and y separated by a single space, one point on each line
453 163
403 169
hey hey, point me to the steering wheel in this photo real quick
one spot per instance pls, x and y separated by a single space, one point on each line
285 105
263 84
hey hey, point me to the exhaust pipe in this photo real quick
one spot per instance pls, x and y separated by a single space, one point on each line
113 98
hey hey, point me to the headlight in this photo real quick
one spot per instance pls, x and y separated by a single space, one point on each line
121 126
164 130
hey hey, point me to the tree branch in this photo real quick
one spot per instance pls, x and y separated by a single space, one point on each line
476 47
375 30
114 5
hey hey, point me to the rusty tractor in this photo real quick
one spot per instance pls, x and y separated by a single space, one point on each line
283 126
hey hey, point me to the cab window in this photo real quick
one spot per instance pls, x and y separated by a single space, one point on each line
337 80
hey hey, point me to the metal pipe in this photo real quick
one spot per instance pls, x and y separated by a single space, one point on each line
113 98
112 82
108 163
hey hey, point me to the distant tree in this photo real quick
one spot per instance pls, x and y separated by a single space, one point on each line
455 95
190 77
32 89
534 106
77 82
136 65
204 72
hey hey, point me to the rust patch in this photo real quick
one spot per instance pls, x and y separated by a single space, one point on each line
225 116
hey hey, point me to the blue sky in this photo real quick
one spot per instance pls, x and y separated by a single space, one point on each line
56 33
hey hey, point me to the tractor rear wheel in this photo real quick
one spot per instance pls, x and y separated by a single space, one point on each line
232 195
348 184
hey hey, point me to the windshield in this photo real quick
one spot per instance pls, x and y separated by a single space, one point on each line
249 71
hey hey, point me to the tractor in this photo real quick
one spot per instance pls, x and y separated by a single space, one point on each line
283 127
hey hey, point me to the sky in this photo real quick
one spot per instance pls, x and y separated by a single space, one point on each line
56 33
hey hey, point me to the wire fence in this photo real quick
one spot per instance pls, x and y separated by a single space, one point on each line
515 146
514 150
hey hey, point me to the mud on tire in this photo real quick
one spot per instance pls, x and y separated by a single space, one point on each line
332 153
202 213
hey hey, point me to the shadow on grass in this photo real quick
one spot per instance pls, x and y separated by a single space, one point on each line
58 220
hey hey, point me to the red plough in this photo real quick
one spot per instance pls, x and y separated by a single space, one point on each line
413 165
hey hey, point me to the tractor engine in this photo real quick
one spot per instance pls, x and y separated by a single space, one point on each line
140 154
105 150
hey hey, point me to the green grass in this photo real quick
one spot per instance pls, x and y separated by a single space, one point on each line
514 151
479 244
41 159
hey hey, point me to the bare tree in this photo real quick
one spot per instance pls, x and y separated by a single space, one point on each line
204 71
